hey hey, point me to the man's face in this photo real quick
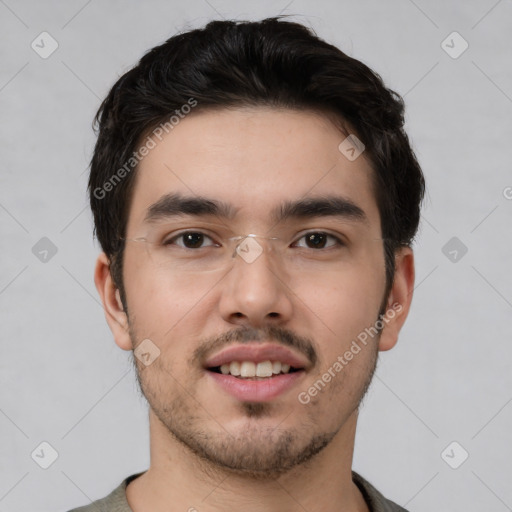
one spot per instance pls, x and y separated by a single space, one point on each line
304 299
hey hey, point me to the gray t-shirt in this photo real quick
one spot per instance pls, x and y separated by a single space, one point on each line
116 500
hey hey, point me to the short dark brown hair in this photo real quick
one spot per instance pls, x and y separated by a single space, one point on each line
273 63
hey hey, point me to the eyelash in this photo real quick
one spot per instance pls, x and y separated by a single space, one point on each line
170 241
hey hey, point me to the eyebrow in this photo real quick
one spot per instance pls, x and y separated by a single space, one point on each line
176 204
325 206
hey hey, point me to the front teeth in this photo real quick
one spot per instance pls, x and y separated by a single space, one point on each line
233 368
249 369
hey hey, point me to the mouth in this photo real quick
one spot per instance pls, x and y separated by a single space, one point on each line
255 373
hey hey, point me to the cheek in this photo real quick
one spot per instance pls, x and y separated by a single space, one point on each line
157 301
337 308
353 292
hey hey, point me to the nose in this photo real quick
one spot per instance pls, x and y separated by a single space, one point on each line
254 291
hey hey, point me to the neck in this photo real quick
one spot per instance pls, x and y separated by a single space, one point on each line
178 477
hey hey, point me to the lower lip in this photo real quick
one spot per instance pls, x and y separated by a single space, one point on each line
256 390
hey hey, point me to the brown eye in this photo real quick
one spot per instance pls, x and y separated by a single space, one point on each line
193 240
316 240
190 240
319 240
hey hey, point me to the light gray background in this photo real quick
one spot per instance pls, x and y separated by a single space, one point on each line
64 381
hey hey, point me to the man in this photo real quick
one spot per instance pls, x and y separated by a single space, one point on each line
256 198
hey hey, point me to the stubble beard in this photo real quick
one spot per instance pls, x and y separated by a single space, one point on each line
258 452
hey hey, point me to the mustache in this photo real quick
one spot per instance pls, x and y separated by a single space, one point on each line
280 335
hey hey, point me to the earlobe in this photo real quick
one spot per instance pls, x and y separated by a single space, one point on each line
112 304
399 300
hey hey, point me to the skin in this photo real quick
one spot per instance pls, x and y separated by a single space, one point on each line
208 450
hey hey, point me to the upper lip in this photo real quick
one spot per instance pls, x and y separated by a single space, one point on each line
257 353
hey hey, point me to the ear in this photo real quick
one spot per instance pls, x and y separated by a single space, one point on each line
399 300
112 305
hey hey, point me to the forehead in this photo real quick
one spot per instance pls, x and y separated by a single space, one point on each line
252 159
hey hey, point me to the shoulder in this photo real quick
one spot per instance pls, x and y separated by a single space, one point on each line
375 500
113 502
